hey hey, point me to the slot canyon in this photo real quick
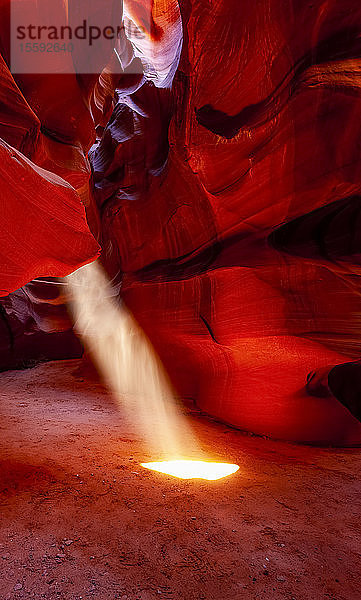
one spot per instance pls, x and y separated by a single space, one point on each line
205 155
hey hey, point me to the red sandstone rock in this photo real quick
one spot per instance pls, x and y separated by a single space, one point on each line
265 130
230 203
44 227
49 119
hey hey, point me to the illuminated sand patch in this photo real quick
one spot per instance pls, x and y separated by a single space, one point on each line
193 469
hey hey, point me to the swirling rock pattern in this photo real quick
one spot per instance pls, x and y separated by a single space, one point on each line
240 255
46 129
228 198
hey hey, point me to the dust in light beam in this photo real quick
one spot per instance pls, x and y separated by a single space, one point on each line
136 376
129 364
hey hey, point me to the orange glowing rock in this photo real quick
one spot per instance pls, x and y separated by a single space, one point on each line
193 469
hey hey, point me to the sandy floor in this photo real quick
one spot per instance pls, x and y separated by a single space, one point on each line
81 519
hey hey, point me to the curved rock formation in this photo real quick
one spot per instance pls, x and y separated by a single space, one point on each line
240 253
47 128
228 202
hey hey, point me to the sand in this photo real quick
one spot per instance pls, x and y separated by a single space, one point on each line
81 519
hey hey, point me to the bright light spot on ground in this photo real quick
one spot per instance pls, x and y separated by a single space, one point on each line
192 469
